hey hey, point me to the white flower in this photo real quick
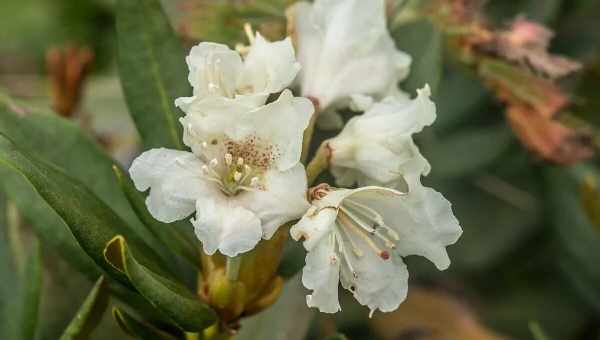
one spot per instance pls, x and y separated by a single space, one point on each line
344 48
219 72
242 178
358 237
376 148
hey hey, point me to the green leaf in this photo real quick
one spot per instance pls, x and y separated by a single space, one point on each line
537 331
172 235
423 42
138 329
185 309
153 71
338 336
466 152
579 238
90 220
89 314
62 143
30 295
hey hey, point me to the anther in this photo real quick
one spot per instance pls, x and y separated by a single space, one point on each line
228 159
213 163
205 169
254 181
240 161
204 145
237 176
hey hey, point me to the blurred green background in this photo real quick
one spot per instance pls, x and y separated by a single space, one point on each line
528 263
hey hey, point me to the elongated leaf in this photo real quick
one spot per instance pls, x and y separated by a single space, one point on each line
92 222
468 151
579 237
338 336
172 235
63 144
30 296
138 329
153 71
423 42
185 309
89 314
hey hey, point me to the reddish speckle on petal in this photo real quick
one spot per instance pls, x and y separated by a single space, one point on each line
385 255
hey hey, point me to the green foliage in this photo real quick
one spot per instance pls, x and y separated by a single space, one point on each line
184 308
65 145
423 42
138 329
24 313
172 235
89 314
577 235
90 220
152 71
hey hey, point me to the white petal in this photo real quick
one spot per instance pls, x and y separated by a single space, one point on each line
394 117
281 123
269 67
360 102
379 284
344 48
214 69
221 225
208 119
422 218
314 225
379 144
283 200
321 275
174 180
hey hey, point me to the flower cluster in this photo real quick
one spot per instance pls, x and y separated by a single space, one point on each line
242 178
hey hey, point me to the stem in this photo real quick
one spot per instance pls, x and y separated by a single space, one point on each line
232 268
319 163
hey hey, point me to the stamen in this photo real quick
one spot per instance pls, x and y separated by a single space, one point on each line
372 215
240 161
347 222
228 159
237 176
249 32
213 163
364 210
360 222
254 181
342 250
357 251
204 144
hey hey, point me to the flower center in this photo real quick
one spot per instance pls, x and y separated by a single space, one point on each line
232 175
356 221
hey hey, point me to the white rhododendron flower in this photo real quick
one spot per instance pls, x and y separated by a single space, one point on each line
358 237
344 48
243 177
216 71
376 148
